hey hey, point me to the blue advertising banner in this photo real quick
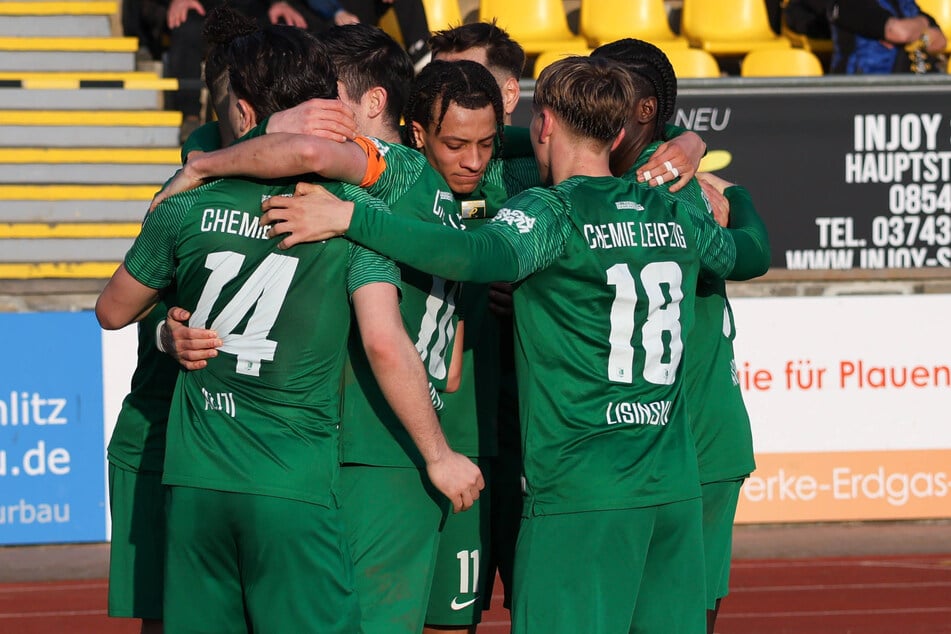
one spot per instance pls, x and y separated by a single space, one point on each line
52 453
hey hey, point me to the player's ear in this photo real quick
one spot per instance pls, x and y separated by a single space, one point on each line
510 95
546 124
646 109
618 139
418 134
376 101
247 118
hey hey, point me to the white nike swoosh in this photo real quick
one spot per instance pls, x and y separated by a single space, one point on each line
461 606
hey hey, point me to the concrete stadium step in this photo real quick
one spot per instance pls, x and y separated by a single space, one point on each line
67 53
75 203
78 128
120 166
57 19
83 90
58 270
66 231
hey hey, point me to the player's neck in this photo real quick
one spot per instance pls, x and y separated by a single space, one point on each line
379 129
579 160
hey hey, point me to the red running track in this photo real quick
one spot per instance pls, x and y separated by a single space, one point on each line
855 595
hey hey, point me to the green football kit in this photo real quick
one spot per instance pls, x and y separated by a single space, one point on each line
258 427
136 453
718 418
471 544
393 514
609 271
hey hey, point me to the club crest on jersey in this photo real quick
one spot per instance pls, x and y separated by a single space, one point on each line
473 209
516 218
628 204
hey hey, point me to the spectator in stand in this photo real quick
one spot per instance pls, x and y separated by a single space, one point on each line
331 11
185 19
410 15
882 36
145 19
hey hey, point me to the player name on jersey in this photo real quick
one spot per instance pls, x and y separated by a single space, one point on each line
635 234
235 222
654 413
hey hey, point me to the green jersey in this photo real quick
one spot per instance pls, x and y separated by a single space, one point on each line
470 415
718 417
609 271
371 433
138 440
262 417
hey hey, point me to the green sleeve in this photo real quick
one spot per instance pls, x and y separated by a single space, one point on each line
672 131
366 266
516 143
511 247
749 234
715 245
151 259
205 138
519 175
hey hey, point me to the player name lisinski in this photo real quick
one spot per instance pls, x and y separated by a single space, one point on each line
235 222
635 234
653 413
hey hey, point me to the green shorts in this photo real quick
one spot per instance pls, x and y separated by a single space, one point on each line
137 548
462 562
719 510
253 563
393 516
600 572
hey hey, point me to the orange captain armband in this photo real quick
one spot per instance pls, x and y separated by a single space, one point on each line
376 164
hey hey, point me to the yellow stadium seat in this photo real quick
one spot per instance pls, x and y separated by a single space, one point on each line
603 21
538 25
442 14
548 57
940 10
789 62
691 63
812 44
728 27
389 24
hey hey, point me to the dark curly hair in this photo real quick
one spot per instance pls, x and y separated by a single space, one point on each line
279 67
650 65
440 83
221 27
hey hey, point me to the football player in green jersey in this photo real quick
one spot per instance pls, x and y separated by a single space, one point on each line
491 46
253 441
717 414
391 539
136 450
611 526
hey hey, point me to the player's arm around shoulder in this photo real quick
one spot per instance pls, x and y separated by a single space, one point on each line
148 267
746 228
402 379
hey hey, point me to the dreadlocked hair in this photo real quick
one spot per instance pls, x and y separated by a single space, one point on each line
279 67
222 26
647 62
465 83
